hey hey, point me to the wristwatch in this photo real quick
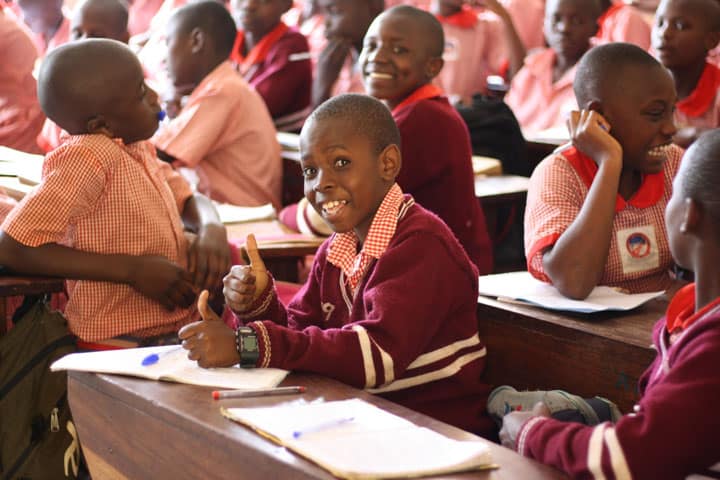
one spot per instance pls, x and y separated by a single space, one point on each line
247 346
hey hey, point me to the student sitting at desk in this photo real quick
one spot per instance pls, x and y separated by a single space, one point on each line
672 432
402 55
541 93
224 131
389 305
274 59
683 34
108 214
594 210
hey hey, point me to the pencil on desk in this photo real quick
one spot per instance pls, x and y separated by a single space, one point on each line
260 392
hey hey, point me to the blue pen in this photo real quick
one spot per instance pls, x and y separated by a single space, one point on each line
322 426
153 358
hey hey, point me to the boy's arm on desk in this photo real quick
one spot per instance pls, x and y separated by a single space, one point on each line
153 276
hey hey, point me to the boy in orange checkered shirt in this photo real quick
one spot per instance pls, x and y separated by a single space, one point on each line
595 208
108 215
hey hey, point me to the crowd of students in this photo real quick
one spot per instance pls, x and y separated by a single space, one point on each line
146 112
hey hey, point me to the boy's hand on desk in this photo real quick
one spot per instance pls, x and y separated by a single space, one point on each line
209 258
513 422
210 342
245 283
160 279
590 133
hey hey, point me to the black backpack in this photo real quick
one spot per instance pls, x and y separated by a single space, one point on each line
37 437
495 132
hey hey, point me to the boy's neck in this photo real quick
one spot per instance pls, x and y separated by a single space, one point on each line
253 38
630 181
208 66
687 78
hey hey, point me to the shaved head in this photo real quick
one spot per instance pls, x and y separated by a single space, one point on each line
426 22
213 19
701 175
369 117
100 19
77 80
600 72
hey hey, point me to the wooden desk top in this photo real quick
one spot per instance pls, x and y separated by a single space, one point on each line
501 188
137 429
24 285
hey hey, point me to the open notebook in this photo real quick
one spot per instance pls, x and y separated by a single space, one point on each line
355 440
172 365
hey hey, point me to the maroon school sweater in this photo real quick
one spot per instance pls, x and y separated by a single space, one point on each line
437 172
671 434
410 333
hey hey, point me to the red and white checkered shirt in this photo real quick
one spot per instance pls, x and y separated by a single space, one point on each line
342 251
99 195
639 257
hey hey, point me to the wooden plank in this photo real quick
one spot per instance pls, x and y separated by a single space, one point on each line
600 354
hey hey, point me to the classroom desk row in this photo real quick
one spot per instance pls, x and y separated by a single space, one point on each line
139 429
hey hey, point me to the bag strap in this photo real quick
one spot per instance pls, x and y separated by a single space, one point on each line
37 358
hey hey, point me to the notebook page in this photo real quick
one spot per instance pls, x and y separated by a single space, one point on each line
172 365
360 441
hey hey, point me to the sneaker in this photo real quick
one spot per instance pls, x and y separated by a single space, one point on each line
562 405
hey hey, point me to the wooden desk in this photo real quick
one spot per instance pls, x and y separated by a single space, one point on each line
138 429
281 257
600 354
11 286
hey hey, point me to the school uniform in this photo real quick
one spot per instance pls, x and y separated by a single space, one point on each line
437 169
639 257
50 137
672 432
393 319
624 23
702 107
528 17
100 195
537 102
20 115
279 69
473 50
140 15
225 133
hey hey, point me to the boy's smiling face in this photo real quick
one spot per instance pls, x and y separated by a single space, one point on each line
396 58
682 33
345 180
640 113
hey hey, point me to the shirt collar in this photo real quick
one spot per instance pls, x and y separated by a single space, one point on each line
259 52
700 100
342 251
650 192
422 93
465 18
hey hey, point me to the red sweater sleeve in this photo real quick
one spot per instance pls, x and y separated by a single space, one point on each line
397 324
672 435
287 82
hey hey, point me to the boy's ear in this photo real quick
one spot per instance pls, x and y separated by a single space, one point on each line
595 106
197 40
97 124
691 216
433 67
390 163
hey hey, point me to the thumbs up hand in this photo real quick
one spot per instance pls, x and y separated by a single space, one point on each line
245 283
209 342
